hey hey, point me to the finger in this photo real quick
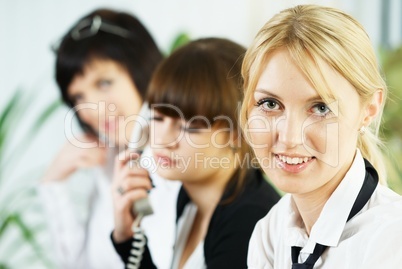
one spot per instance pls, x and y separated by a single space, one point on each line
134 170
129 198
124 157
120 173
131 183
131 179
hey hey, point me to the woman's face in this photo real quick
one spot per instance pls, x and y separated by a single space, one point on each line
302 143
108 100
189 151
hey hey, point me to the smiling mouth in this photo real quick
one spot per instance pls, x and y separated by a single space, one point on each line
293 164
293 160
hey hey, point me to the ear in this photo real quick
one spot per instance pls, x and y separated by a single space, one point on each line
373 107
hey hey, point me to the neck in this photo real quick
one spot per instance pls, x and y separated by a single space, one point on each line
207 193
310 207
311 204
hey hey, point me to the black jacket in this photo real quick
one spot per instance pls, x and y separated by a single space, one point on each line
231 225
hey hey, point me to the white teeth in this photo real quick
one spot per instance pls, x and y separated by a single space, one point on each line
295 160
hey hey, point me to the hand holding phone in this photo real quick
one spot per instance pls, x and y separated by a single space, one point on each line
130 188
141 207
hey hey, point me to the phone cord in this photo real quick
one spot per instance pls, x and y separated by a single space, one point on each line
138 245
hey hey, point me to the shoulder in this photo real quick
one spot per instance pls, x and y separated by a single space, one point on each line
384 237
268 232
252 204
277 217
258 191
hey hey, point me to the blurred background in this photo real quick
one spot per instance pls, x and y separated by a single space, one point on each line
32 119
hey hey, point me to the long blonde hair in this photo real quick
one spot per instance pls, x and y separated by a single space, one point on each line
314 35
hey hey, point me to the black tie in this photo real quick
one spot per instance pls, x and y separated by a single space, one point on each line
369 185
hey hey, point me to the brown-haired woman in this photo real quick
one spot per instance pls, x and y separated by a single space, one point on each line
194 96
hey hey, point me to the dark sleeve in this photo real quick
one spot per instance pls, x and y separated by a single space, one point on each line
227 248
123 249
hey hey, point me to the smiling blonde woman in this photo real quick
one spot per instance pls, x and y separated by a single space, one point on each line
313 103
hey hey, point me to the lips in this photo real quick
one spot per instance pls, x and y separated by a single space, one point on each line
110 125
293 164
163 159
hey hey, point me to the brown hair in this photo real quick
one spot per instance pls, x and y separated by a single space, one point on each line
203 78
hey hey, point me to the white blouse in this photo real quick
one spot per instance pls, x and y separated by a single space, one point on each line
371 239
184 225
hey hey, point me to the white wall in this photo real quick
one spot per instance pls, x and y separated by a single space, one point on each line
28 28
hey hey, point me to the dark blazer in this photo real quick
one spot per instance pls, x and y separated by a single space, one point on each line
231 225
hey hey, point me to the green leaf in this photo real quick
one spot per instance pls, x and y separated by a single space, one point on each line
34 130
9 219
5 114
29 237
180 40
11 117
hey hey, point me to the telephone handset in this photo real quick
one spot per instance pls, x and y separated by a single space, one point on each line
142 207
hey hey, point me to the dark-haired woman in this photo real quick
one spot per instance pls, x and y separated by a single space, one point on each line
193 97
103 67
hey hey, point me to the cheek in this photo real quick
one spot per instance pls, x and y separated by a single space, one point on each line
316 136
89 116
128 101
321 140
196 142
259 134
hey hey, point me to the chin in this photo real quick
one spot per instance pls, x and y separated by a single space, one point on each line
170 174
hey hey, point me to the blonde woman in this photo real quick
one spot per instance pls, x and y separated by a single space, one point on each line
313 103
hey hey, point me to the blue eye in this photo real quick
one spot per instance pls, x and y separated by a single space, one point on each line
268 104
320 109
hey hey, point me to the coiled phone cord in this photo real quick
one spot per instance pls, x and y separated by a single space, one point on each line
138 245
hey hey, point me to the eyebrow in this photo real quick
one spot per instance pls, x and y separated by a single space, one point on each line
315 98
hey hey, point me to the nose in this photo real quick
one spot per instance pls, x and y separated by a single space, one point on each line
165 134
290 130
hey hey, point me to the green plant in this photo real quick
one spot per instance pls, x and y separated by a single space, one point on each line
18 204
180 40
391 61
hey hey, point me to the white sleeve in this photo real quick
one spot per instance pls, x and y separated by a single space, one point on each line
383 247
66 225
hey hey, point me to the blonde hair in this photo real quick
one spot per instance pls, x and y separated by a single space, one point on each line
316 35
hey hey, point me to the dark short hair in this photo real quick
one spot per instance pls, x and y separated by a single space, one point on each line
137 52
